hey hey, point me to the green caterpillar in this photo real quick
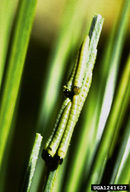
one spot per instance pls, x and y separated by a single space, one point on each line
65 103
80 73
52 148
69 128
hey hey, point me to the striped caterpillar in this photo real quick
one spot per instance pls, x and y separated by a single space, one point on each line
77 105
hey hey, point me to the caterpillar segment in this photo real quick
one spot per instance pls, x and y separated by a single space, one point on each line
79 77
69 128
52 148
65 103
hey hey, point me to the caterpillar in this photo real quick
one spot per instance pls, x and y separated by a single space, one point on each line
65 103
76 91
78 81
67 89
45 154
52 148
69 128
77 105
78 72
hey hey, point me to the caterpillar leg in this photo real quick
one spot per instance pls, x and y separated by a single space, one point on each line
69 129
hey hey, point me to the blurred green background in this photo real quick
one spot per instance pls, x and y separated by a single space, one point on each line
58 30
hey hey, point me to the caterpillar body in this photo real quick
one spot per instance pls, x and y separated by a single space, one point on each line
78 81
65 103
78 72
67 89
69 128
52 148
